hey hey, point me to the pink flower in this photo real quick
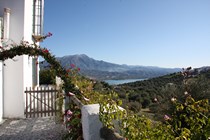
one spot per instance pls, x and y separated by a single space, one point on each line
71 94
78 69
72 65
86 99
68 119
45 51
166 117
49 34
69 112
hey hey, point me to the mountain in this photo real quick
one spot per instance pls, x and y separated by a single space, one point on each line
102 70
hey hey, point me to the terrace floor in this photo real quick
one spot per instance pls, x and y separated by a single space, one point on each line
31 129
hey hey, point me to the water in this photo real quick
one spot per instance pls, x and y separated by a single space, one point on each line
117 82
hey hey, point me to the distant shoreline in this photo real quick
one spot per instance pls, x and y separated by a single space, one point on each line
117 82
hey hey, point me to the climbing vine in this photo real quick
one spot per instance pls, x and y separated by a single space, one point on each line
9 51
71 86
25 48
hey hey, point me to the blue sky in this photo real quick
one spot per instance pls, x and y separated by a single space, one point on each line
164 33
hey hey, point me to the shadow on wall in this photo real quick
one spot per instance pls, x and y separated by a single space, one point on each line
108 134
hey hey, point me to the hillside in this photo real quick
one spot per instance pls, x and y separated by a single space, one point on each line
141 94
101 70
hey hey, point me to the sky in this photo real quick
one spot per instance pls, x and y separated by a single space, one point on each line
163 33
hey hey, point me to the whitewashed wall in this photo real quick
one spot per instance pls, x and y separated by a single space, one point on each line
27 35
18 73
1 77
1 94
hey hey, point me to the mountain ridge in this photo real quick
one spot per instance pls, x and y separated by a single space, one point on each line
102 70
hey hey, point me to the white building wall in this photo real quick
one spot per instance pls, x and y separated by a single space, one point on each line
1 77
1 93
27 36
13 89
18 73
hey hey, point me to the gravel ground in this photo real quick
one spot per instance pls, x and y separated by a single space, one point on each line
31 129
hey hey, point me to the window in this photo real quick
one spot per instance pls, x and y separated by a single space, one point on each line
38 12
1 28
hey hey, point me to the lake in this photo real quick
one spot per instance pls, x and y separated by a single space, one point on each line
117 82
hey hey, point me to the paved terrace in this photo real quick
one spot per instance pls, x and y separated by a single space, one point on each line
31 129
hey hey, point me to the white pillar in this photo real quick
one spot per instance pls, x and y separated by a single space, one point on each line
6 22
91 124
1 78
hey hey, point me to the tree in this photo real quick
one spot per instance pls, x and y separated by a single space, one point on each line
47 77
